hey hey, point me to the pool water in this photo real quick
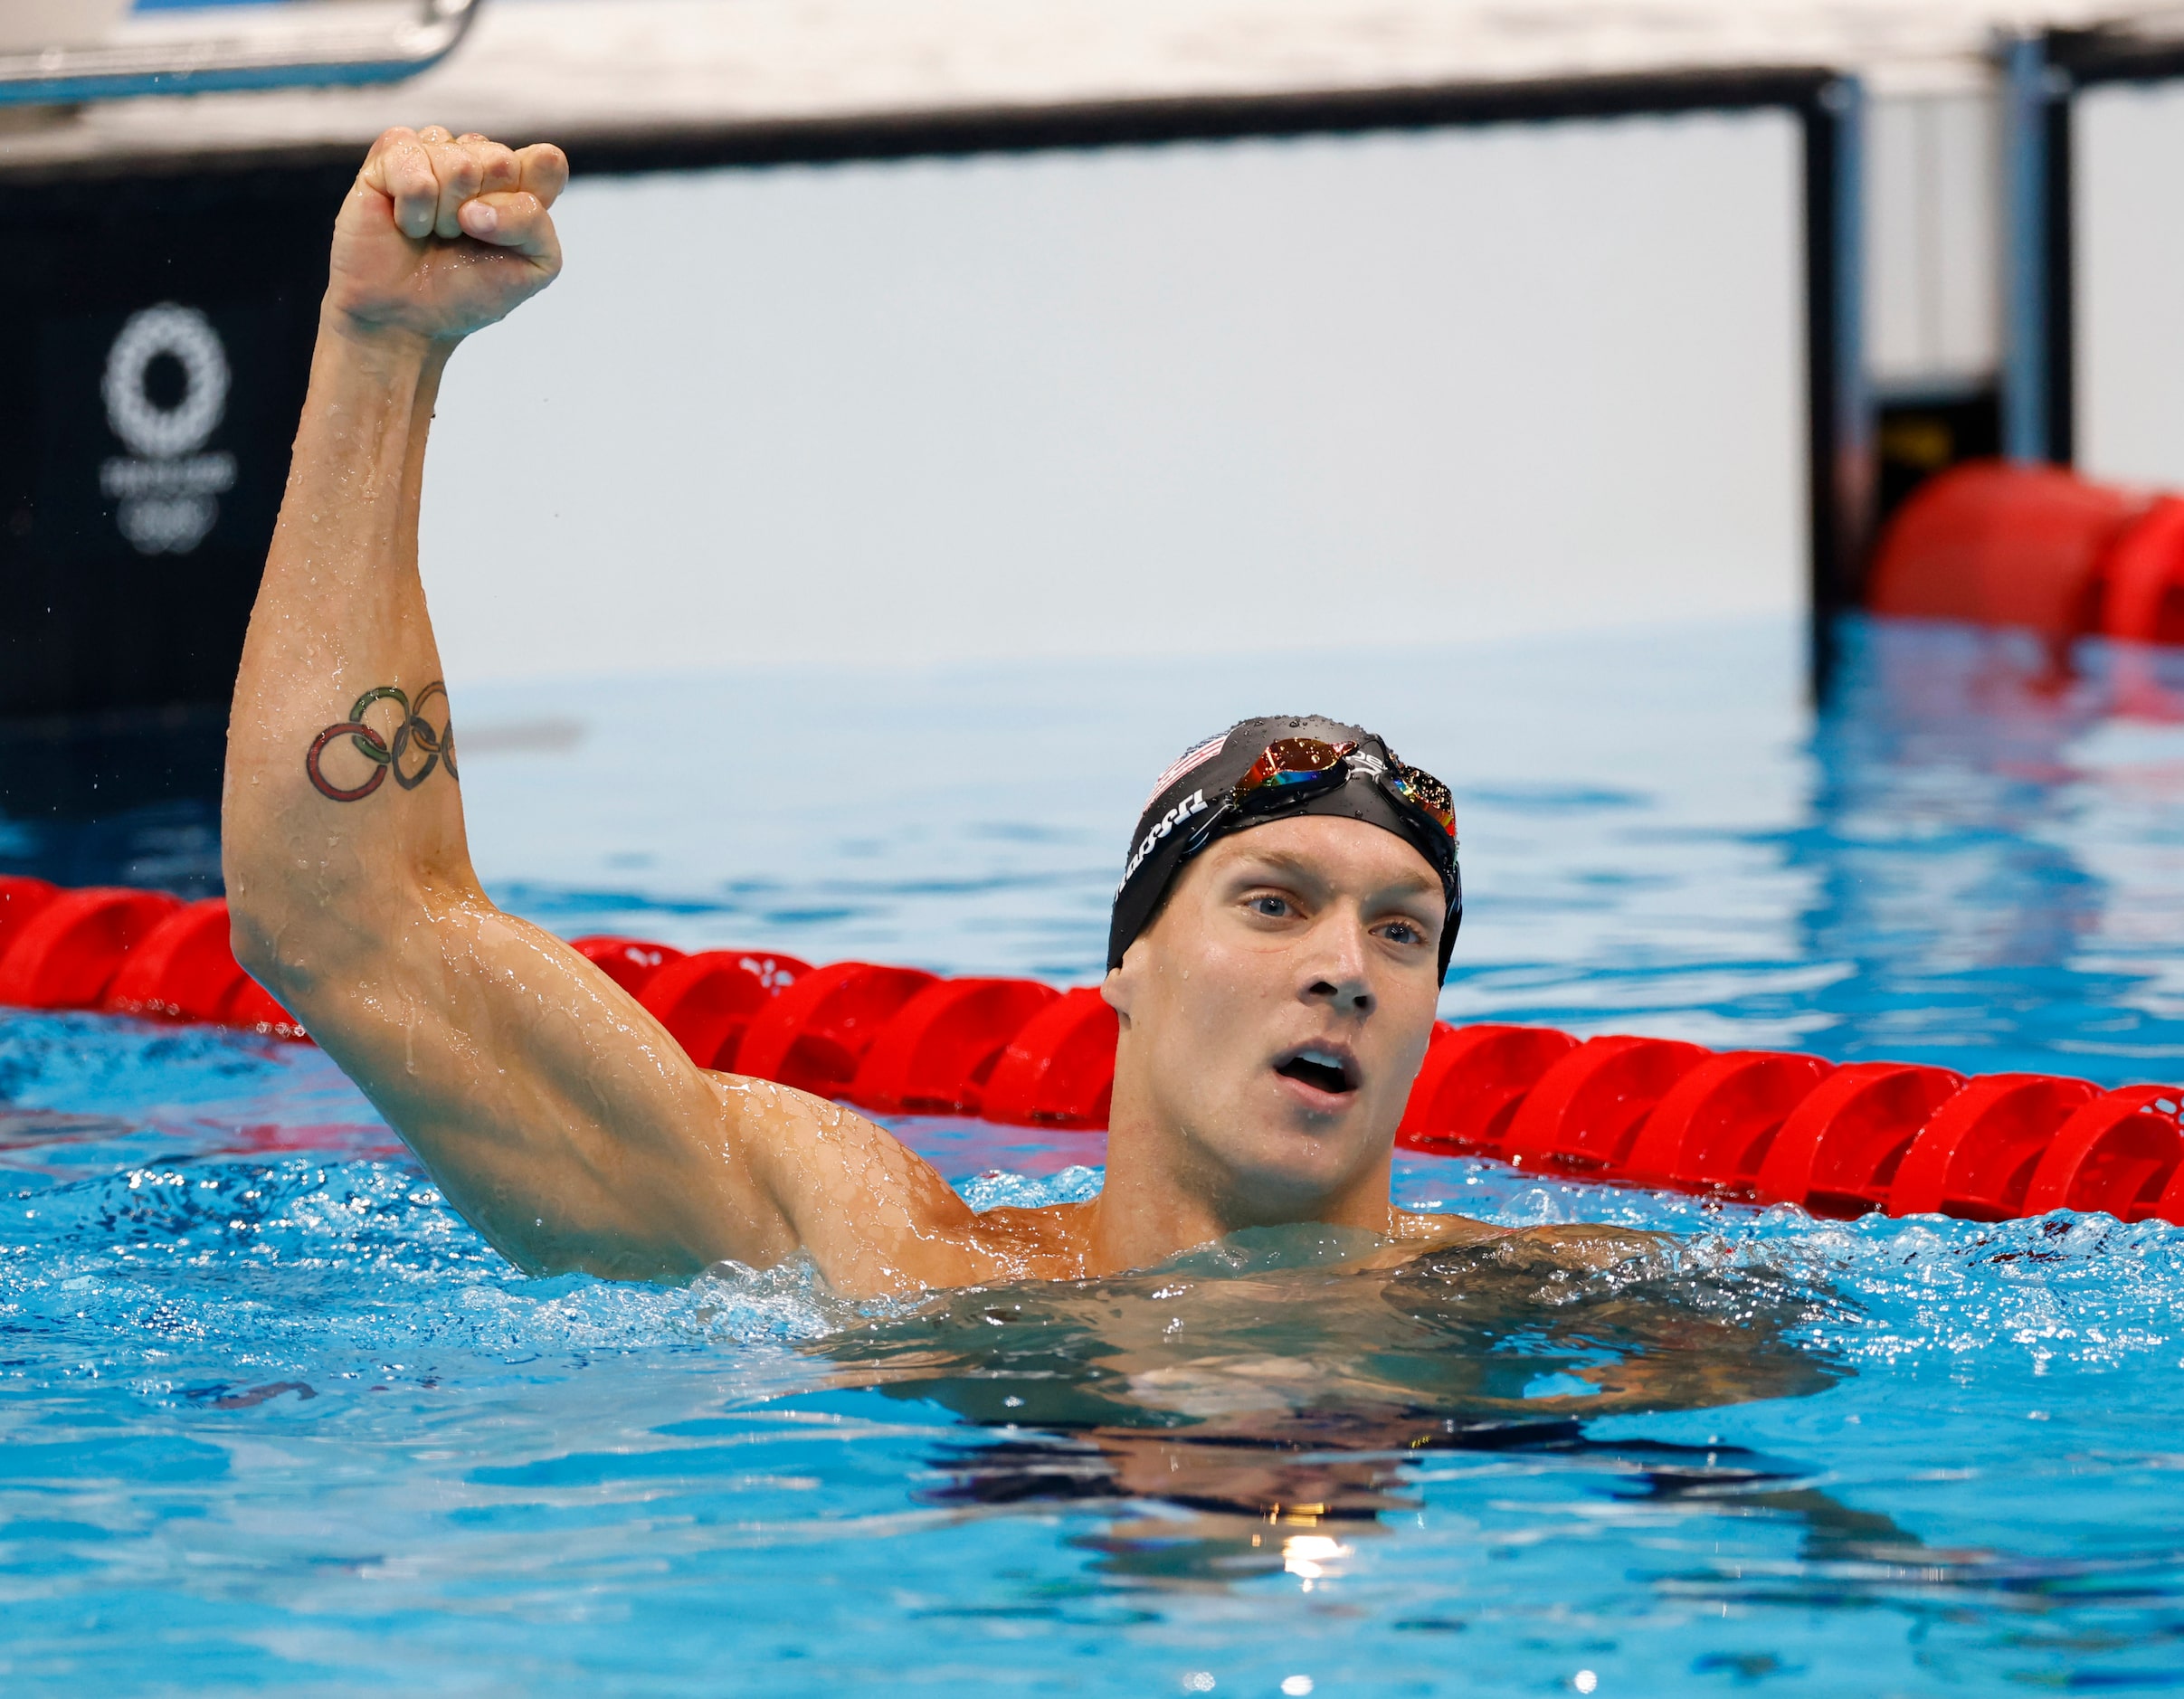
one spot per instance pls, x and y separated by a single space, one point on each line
274 1418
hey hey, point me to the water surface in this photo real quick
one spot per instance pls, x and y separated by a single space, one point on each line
276 1418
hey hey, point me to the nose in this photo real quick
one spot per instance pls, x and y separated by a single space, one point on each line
1335 976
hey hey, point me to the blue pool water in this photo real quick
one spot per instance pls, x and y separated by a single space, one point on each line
274 1418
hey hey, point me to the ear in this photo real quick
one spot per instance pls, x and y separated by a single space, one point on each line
1119 989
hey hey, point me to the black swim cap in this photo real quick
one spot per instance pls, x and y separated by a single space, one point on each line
1192 805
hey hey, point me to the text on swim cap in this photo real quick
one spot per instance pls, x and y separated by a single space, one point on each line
1194 803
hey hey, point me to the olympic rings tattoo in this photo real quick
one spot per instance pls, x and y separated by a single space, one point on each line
414 733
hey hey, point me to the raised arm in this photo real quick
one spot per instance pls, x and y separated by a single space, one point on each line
552 1112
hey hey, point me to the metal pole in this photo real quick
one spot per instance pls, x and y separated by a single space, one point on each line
2027 303
1841 413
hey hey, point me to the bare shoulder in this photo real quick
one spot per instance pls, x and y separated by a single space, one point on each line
1048 1242
876 1218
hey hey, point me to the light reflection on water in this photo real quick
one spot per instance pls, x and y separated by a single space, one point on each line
275 1416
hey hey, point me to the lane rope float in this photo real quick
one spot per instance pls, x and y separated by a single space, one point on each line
1759 1126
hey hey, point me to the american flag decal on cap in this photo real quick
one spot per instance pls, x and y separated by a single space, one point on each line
1182 764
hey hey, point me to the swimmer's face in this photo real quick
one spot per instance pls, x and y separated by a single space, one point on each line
1275 1013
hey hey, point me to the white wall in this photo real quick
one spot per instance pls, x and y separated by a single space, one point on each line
1933 241
2128 186
1372 392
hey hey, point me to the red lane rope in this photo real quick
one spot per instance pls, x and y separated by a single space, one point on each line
1757 1125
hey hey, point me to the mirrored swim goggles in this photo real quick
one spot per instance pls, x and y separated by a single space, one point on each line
1292 770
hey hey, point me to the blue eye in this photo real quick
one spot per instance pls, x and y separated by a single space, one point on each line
1273 908
1403 932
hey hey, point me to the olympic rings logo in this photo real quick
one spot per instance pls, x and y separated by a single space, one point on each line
415 735
186 335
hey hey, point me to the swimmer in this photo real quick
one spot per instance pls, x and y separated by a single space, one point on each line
1277 948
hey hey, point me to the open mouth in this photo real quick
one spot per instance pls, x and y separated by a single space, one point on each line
1323 1070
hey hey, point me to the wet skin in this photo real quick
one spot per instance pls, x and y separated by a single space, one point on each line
1281 1382
1307 1335
1272 1017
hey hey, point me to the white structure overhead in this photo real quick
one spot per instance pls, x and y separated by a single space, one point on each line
623 67
1352 391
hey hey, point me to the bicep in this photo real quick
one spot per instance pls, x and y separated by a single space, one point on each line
554 1113
565 1124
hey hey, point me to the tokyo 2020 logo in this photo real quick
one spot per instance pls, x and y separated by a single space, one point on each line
167 490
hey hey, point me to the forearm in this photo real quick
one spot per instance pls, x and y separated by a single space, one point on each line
340 613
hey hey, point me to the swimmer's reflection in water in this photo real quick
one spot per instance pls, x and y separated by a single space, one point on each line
1252 1406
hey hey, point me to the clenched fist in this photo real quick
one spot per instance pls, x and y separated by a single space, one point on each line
443 234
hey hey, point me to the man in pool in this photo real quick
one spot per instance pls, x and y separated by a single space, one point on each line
1278 946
